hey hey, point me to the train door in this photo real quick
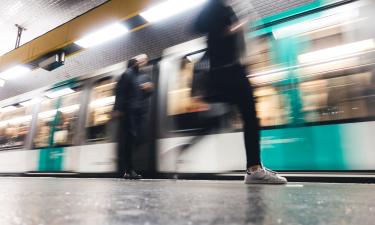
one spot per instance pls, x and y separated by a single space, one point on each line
56 127
179 120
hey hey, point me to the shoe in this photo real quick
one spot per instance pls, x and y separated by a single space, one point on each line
264 176
132 175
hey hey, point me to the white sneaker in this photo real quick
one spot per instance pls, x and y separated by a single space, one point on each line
264 176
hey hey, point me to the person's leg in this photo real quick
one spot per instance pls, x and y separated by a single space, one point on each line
233 84
128 150
251 131
121 150
245 103
130 145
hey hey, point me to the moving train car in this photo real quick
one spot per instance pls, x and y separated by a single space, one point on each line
64 128
313 73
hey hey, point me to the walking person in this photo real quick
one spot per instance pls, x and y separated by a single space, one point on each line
133 92
225 43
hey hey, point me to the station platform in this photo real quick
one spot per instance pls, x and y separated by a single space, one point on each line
115 201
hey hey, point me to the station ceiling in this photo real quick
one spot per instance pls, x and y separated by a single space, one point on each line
38 17
41 16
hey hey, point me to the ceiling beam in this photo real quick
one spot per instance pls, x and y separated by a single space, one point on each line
68 33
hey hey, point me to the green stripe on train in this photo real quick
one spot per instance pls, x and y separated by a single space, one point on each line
51 159
305 148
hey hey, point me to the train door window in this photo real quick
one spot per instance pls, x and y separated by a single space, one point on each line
259 56
272 106
46 118
315 100
57 120
100 108
14 125
179 96
339 98
67 119
182 106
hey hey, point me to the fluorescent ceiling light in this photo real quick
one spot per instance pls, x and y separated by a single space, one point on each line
58 93
69 109
337 52
8 108
14 72
169 8
103 101
2 83
30 102
103 35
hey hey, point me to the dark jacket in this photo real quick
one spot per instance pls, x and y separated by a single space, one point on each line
224 47
129 95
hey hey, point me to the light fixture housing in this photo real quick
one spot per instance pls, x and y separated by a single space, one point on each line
58 93
102 35
169 8
14 72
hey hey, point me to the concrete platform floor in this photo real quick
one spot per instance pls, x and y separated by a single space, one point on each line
63 201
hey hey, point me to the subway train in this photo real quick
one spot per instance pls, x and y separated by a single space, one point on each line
313 74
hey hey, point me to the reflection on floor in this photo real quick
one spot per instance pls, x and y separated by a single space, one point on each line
113 201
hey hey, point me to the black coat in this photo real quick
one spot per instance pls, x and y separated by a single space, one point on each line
129 95
133 103
224 48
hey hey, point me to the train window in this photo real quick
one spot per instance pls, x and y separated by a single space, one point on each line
100 108
339 98
259 57
14 125
180 98
46 119
66 120
272 106
57 120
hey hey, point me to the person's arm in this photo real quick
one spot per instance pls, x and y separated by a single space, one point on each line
148 86
119 96
121 92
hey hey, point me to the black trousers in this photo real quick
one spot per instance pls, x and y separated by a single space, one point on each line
131 133
233 84
125 148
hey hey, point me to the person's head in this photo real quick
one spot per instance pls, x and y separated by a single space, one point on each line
138 61
142 60
132 63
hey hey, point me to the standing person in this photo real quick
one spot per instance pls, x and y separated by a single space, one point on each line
228 77
133 93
